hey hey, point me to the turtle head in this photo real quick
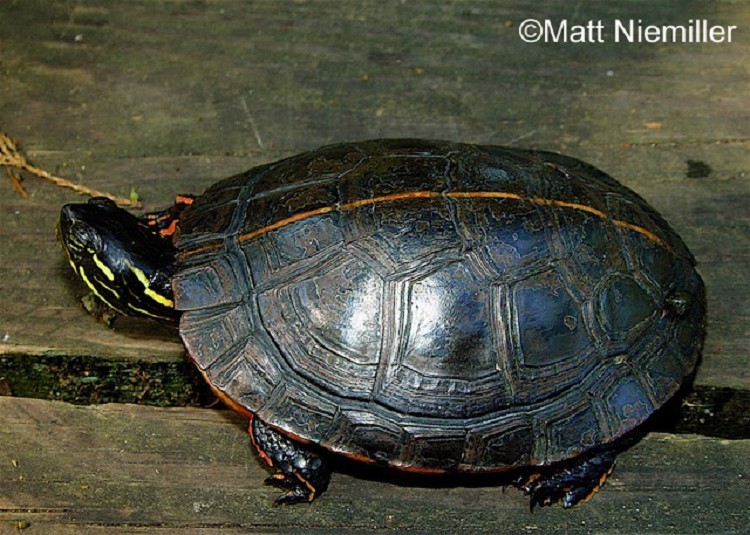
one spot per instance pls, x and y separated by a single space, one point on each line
124 263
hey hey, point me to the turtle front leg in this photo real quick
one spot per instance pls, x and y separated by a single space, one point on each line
99 309
571 482
303 473
164 222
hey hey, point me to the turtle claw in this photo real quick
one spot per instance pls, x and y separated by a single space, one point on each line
570 483
546 494
297 495
295 491
579 495
542 491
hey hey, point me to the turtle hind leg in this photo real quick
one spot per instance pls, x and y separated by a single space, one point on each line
301 472
570 482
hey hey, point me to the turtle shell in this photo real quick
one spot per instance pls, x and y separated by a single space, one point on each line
438 306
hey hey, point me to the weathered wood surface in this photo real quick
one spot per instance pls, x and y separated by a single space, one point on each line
118 468
169 96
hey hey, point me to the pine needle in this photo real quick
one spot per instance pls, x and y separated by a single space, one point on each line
11 157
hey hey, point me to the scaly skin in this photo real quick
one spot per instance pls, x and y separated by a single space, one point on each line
571 482
301 472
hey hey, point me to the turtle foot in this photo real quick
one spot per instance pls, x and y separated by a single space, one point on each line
164 222
571 482
302 472
296 490
100 311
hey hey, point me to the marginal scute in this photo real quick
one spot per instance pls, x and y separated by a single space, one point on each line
506 441
442 451
308 414
367 434
627 403
438 306
576 430
664 374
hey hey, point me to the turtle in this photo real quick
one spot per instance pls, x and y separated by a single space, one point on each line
429 306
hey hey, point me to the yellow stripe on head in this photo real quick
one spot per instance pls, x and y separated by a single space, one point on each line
103 268
142 311
143 279
94 288
159 298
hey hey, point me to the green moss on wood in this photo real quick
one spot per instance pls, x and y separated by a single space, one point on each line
90 380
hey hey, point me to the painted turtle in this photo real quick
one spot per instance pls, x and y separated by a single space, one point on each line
425 305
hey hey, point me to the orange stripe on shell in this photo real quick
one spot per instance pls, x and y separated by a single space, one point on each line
426 194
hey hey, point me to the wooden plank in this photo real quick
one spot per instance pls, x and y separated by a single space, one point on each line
82 87
66 469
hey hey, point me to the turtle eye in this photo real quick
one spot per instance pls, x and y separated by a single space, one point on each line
86 236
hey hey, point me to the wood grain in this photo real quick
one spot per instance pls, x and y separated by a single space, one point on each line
169 96
73 469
